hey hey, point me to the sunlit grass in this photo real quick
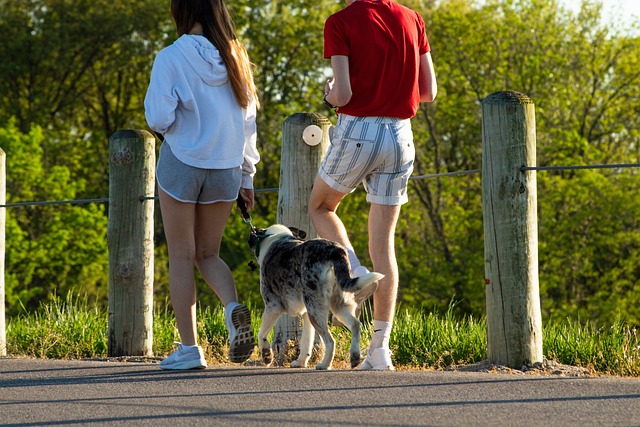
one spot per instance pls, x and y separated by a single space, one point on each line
432 341
74 329
610 350
62 329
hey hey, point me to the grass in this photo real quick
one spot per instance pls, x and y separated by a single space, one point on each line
72 329
429 340
67 329
613 350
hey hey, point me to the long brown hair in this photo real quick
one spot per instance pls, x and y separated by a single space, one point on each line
218 29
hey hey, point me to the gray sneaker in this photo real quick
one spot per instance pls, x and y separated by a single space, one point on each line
185 358
241 339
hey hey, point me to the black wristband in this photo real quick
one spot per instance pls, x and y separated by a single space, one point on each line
327 103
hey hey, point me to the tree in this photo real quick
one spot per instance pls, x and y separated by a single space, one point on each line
79 70
584 82
50 249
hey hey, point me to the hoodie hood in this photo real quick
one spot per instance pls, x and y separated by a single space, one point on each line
204 58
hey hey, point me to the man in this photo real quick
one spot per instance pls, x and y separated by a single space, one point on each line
382 70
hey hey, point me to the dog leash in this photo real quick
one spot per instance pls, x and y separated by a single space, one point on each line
248 220
245 214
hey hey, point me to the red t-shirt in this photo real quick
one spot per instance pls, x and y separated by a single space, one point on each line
384 41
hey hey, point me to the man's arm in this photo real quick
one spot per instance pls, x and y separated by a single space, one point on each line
340 88
427 79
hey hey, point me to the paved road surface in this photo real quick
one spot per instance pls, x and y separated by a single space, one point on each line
54 392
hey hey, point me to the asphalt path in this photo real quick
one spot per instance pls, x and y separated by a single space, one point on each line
36 392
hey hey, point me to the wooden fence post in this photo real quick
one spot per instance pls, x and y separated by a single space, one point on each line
305 138
3 242
130 243
514 325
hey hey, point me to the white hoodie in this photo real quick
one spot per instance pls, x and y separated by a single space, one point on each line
191 102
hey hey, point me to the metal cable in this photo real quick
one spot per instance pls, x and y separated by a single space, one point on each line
57 202
557 168
263 190
267 190
438 175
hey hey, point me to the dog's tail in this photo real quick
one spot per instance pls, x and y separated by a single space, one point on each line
363 287
368 284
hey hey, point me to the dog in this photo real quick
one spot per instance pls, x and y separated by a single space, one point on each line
309 279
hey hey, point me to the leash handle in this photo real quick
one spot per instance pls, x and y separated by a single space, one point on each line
243 211
246 218
243 208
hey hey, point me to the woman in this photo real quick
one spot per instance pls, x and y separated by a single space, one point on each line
202 97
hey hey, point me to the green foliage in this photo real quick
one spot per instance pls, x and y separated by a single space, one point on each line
74 329
613 350
583 79
428 340
590 236
68 329
50 249
79 70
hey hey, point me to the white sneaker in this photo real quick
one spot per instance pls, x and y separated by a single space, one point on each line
185 358
378 359
241 339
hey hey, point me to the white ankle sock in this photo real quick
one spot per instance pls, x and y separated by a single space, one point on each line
381 334
353 258
189 346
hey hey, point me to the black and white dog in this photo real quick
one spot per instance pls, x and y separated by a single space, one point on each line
309 279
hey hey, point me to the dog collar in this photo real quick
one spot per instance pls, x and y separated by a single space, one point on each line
259 239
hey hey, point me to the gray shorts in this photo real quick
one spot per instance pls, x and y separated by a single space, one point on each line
375 151
194 185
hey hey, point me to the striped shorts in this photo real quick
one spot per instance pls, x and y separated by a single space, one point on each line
375 151
189 184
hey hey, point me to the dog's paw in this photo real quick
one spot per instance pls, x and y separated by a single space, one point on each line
355 360
322 367
298 364
267 356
